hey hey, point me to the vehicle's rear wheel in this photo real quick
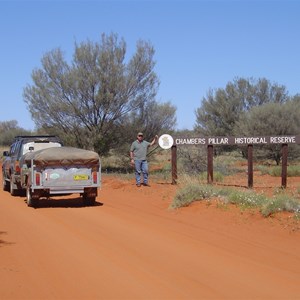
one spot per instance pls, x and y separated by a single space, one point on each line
31 202
89 201
13 189
5 184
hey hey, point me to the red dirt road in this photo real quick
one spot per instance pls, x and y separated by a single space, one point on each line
130 246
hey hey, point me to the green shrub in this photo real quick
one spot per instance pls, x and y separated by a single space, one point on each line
281 202
194 191
225 164
292 171
275 171
263 169
218 177
246 199
190 193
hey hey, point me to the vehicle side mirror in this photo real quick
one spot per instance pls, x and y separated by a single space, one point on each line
5 153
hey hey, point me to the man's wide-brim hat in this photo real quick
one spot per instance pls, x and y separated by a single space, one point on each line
140 133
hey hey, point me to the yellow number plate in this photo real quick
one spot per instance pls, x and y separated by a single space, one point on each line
81 177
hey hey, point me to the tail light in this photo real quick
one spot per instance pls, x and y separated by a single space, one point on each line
17 167
95 177
37 178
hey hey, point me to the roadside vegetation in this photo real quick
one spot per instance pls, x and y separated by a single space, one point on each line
195 188
292 171
197 191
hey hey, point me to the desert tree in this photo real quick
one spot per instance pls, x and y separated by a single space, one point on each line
88 100
221 108
271 119
153 118
10 129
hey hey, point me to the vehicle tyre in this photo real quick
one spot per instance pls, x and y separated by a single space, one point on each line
5 184
30 201
89 201
22 193
13 190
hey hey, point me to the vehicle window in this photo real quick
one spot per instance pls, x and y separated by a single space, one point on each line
11 150
14 148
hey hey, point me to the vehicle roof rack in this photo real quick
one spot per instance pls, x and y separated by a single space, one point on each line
33 136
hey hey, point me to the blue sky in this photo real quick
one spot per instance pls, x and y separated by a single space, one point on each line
200 45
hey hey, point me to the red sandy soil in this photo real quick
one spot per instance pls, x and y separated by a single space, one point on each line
131 246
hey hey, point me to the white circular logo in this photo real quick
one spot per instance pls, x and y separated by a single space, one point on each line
165 141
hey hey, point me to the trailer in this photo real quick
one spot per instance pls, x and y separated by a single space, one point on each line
60 171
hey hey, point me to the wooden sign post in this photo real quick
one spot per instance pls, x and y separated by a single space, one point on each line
284 165
210 163
250 166
174 164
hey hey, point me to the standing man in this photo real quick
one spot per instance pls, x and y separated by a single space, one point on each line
138 158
